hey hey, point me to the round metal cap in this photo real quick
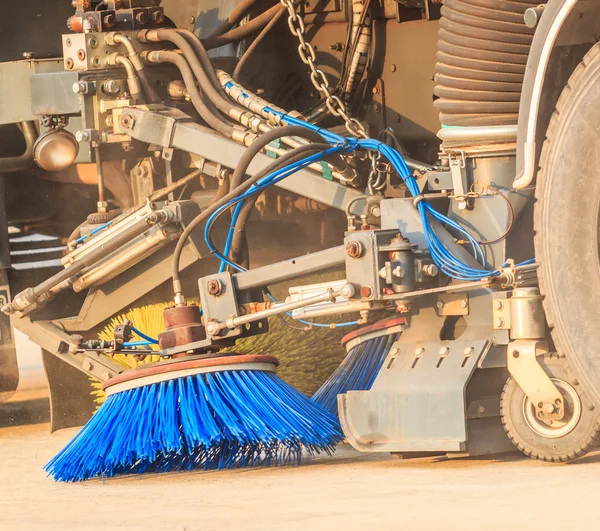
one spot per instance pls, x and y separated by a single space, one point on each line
55 150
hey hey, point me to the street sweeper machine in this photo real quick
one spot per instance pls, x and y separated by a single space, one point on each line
433 162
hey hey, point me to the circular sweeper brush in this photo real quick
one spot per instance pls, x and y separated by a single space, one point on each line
197 412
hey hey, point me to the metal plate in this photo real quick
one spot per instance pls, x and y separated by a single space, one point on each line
417 402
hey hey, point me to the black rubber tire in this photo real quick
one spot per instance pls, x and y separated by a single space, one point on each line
583 437
566 223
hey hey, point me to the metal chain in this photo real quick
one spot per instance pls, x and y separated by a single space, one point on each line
317 77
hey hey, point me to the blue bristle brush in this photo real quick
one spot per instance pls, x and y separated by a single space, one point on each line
214 413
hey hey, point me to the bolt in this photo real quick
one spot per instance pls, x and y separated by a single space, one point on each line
376 90
498 322
80 87
549 408
463 304
111 87
213 287
439 305
93 42
398 271
82 136
540 405
212 328
481 410
192 20
515 354
96 61
354 249
366 292
69 63
419 352
376 107
127 121
7 309
394 68
557 401
376 211
337 47
444 351
68 42
28 55
81 55
468 351
498 305
158 17
347 291
109 121
431 270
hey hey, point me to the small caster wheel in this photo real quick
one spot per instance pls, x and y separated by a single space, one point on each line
556 441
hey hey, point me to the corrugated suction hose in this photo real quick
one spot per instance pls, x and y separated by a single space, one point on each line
482 53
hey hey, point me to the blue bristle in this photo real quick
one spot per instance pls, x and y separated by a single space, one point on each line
357 372
207 421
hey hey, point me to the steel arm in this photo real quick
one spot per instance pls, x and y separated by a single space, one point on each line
172 128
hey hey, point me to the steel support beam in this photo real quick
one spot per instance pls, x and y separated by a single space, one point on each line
172 128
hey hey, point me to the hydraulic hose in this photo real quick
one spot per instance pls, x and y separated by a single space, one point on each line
211 209
189 80
234 17
288 159
169 35
239 246
24 161
255 43
134 57
242 31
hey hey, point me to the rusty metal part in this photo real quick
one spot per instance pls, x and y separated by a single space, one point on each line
213 287
160 372
354 249
183 326
253 307
386 325
177 90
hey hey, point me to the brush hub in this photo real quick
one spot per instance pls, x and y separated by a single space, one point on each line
183 367
182 326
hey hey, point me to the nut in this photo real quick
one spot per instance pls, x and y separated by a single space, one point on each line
431 270
366 292
213 287
112 87
354 249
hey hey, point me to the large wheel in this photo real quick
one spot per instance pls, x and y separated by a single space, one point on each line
567 220
559 440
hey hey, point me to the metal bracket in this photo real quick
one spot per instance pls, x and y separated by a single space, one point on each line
417 402
459 179
453 304
536 384
64 347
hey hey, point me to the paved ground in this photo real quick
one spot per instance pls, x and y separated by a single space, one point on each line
348 491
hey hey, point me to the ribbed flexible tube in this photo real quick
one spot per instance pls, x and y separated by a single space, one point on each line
482 53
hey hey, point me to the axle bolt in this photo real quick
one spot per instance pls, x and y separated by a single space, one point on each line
354 249
213 287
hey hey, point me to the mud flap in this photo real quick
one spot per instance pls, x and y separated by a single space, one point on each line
71 401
